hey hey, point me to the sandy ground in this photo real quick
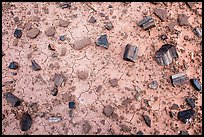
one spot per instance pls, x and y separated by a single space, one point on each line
128 98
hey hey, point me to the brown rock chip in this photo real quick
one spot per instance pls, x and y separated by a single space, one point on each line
161 13
58 79
63 51
50 32
15 42
82 74
113 82
33 33
86 127
125 128
108 110
174 107
171 25
28 26
80 44
126 101
63 23
183 19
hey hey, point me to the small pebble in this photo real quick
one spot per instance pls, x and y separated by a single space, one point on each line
35 66
191 102
114 82
103 41
185 115
71 104
163 36
54 119
26 121
62 38
13 65
92 20
195 83
18 33
108 110
147 120
139 133
14 73
153 85
109 26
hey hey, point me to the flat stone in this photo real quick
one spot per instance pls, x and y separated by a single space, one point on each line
35 66
130 53
82 75
109 25
58 79
185 115
114 82
63 23
18 33
92 20
172 25
147 120
183 19
86 127
13 65
33 33
190 102
153 85
124 128
161 13
174 107
15 42
50 32
102 41
63 51
80 44
26 122
108 110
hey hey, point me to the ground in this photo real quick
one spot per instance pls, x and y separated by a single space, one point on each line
130 97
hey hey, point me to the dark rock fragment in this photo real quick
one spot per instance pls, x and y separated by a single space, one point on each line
185 115
51 47
195 83
166 54
12 99
50 32
71 105
190 102
103 41
183 133
147 23
153 85
198 32
65 4
26 122
109 25
62 38
33 33
131 53
108 110
35 66
92 20
163 37
174 107
124 128
58 79
13 65
171 114
139 133
179 79
147 120
54 90
161 13
18 33
172 25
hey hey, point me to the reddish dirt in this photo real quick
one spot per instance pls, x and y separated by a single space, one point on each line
130 99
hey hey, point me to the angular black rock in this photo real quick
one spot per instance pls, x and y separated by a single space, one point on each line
103 41
12 99
147 120
71 104
54 90
183 133
92 20
190 102
131 53
166 54
195 83
26 121
139 133
35 66
147 23
178 79
62 38
18 33
185 115
13 65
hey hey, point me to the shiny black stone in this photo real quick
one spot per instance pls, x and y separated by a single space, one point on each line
195 83
18 33
26 122
71 104
185 115
13 65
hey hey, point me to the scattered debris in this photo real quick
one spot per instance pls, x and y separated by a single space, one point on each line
35 66
108 110
183 133
13 65
183 19
54 91
54 119
51 47
190 102
153 85
185 115
63 23
147 120
166 54
86 127
103 41
139 133
131 53
178 79
113 82
33 33
65 4
58 79
62 38
92 20
71 105
80 44
82 75
50 32
26 121
174 107
12 99
198 31
18 33
147 23
161 13
109 25
124 128
163 37
195 83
